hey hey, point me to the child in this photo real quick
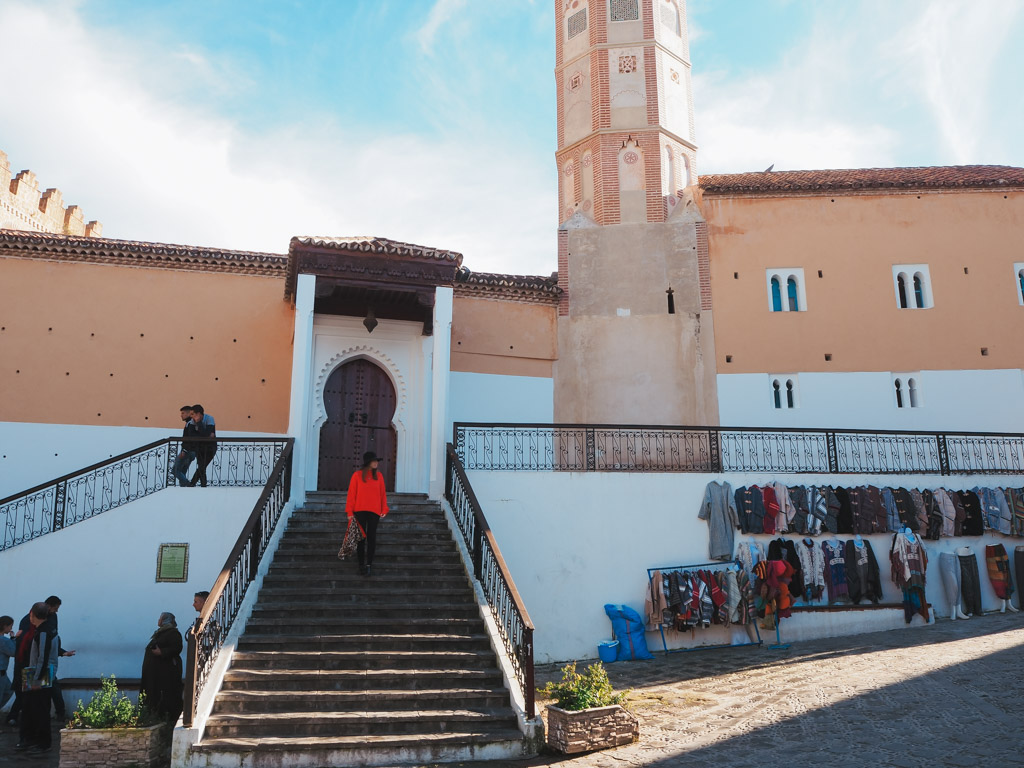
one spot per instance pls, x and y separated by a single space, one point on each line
6 651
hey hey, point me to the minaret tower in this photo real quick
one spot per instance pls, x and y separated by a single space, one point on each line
635 336
625 117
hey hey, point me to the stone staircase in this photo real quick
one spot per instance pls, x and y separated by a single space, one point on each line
338 669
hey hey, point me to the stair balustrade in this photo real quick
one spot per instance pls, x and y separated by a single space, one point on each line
647 448
85 493
489 569
207 636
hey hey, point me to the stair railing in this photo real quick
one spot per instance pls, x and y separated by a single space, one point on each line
207 636
489 569
85 493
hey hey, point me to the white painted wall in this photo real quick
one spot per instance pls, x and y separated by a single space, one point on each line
493 398
31 454
104 569
575 541
975 401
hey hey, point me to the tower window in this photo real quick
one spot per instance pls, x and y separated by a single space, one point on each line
670 17
907 389
1018 271
577 23
786 290
624 10
784 391
913 286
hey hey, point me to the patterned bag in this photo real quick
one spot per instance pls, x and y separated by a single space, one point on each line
29 681
353 535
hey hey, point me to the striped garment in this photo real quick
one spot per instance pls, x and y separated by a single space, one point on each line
999 570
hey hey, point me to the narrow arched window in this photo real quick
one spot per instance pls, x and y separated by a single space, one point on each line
794 304
899 393
919 290
912 391
901 285
686 174
669 173
776 295
1020 279
777 392
789 393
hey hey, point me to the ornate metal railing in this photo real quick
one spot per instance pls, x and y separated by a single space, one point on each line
638 448
206 638
490 570
78 496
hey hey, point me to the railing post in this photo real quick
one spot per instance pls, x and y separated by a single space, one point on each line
591 448
188 713
713 450
478 555
60 497
943 454
833 455
528 679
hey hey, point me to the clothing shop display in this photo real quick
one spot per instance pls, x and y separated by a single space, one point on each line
798 497
834 553
892 516
994 509
862 578
787 509
909 560
906 510
945 504
844 518
999 570
812 565
750 508
784 549
970 582
771 509
1015 499
974 523
1018 569
773 600
949 570
719 509
749 553
698 598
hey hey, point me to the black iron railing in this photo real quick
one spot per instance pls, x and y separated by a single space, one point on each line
78 496
207 637
490 570
638 448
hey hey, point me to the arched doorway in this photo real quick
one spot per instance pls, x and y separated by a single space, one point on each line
360 401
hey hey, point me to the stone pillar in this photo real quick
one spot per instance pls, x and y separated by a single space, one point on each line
440 379
302 382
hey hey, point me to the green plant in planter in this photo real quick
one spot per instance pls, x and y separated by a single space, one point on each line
109 708
578 691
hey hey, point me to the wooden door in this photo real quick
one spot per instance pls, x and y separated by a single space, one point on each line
360 402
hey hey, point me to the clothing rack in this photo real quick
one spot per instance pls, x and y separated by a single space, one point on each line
696 566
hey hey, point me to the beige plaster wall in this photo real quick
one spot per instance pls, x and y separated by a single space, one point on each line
622 357
852 312
121 346
503 337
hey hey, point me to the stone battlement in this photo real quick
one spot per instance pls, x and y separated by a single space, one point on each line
23 206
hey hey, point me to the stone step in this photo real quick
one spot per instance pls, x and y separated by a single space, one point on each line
311 613
363 659
384 569
252 702
361 723
312 680
337 642
350 579
407 534
446 555
327 548
361 589
365 625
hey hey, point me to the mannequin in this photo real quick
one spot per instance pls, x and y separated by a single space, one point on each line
970 589
949 569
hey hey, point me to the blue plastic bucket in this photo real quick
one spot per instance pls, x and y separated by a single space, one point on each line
607 650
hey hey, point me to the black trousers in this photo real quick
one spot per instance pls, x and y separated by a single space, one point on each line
970 585
366 548
35 717
203 459
19 701
1018 567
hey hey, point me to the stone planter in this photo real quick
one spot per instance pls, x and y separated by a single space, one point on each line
115 747
589 729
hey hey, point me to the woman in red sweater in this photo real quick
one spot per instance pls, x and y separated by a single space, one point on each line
368 501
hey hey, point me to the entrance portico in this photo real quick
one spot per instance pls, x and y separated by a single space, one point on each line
372 344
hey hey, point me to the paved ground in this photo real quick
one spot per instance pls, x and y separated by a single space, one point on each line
945 695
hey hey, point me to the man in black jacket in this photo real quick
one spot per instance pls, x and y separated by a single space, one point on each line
188 452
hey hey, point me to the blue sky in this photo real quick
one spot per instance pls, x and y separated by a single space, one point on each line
238 124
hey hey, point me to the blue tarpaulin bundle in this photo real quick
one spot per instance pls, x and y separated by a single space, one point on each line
629 631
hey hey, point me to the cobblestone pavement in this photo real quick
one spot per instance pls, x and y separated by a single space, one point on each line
942 695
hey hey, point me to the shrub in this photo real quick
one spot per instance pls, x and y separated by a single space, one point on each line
583 691
109 708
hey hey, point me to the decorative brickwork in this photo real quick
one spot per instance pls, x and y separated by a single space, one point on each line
703 265
115 747
590 729
23 206
563 272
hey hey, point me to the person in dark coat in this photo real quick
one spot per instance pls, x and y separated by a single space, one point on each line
161 669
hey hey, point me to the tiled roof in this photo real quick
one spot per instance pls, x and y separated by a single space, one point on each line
101 250
524 288
863 179
378 245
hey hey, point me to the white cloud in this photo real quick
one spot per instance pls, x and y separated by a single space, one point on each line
440 14
153 168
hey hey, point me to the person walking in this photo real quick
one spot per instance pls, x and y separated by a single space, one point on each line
205 426
37 654
367 501
161 669
187 453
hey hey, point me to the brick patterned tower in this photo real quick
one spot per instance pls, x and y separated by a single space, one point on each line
625 117
635 336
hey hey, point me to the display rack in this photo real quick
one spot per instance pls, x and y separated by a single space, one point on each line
719 565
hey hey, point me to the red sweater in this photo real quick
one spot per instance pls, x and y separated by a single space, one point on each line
368 496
